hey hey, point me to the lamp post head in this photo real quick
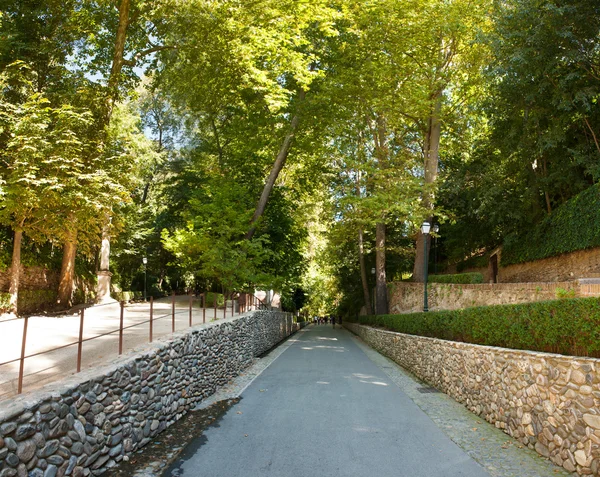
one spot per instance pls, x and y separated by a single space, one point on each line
425 228
436 228
373 271
144 260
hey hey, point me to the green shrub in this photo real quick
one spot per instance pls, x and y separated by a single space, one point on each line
210 299
457 278
568 326
127 295
4 302
480 261
575 225
31 301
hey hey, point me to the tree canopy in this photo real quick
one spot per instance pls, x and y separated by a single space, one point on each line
288 145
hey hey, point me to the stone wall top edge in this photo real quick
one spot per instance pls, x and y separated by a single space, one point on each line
29 400
494 349
475 286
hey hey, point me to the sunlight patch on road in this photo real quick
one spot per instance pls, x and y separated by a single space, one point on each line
378 383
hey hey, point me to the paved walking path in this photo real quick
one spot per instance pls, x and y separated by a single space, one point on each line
45 333
323 408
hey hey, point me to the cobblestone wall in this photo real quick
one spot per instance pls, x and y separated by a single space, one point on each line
549 402
407 297
88 423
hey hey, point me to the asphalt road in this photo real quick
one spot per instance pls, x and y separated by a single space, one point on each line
324 409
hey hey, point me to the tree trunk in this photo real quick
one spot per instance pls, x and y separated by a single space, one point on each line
431 147
67 272
117 63
15 270
381 302
363 272
112 96
276 169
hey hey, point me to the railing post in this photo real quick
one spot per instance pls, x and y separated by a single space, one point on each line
191 301
80 344
173 313
232 306
121 328
204 307
224 306
215 303
23 344
151 316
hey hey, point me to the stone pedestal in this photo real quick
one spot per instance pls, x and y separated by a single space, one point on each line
103 288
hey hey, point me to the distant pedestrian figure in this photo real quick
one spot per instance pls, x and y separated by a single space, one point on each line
333 320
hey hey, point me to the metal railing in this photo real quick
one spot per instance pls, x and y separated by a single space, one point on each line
246 302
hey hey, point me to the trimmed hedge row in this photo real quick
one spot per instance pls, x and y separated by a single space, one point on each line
29 301
462 278
575 225
127 295
568 326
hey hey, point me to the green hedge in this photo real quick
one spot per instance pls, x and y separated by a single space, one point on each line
127 295
575 225
568 326
32 301
457 278
210 299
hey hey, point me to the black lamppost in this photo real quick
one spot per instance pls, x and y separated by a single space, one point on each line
436 229
145 262
374 291
425 228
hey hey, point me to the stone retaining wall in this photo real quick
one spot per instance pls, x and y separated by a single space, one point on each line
549 402
407 297
89 422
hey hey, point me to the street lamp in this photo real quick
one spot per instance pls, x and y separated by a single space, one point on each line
145 262
436 229
425 228
374 292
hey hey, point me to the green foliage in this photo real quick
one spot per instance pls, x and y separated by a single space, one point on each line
473 262
561 293
127 296
4 302
212 296
473 277
573 226
32 301
569 327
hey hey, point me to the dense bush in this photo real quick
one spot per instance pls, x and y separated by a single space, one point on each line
457 278
31 301
127 295
4 302
480 261
210 299
575 225
568 326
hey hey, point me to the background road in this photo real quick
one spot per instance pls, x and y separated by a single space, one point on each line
324 409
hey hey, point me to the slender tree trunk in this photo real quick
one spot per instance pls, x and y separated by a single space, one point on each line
381 281
67 272
276 169
431 147
15 270
112 95
363 272
118 60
